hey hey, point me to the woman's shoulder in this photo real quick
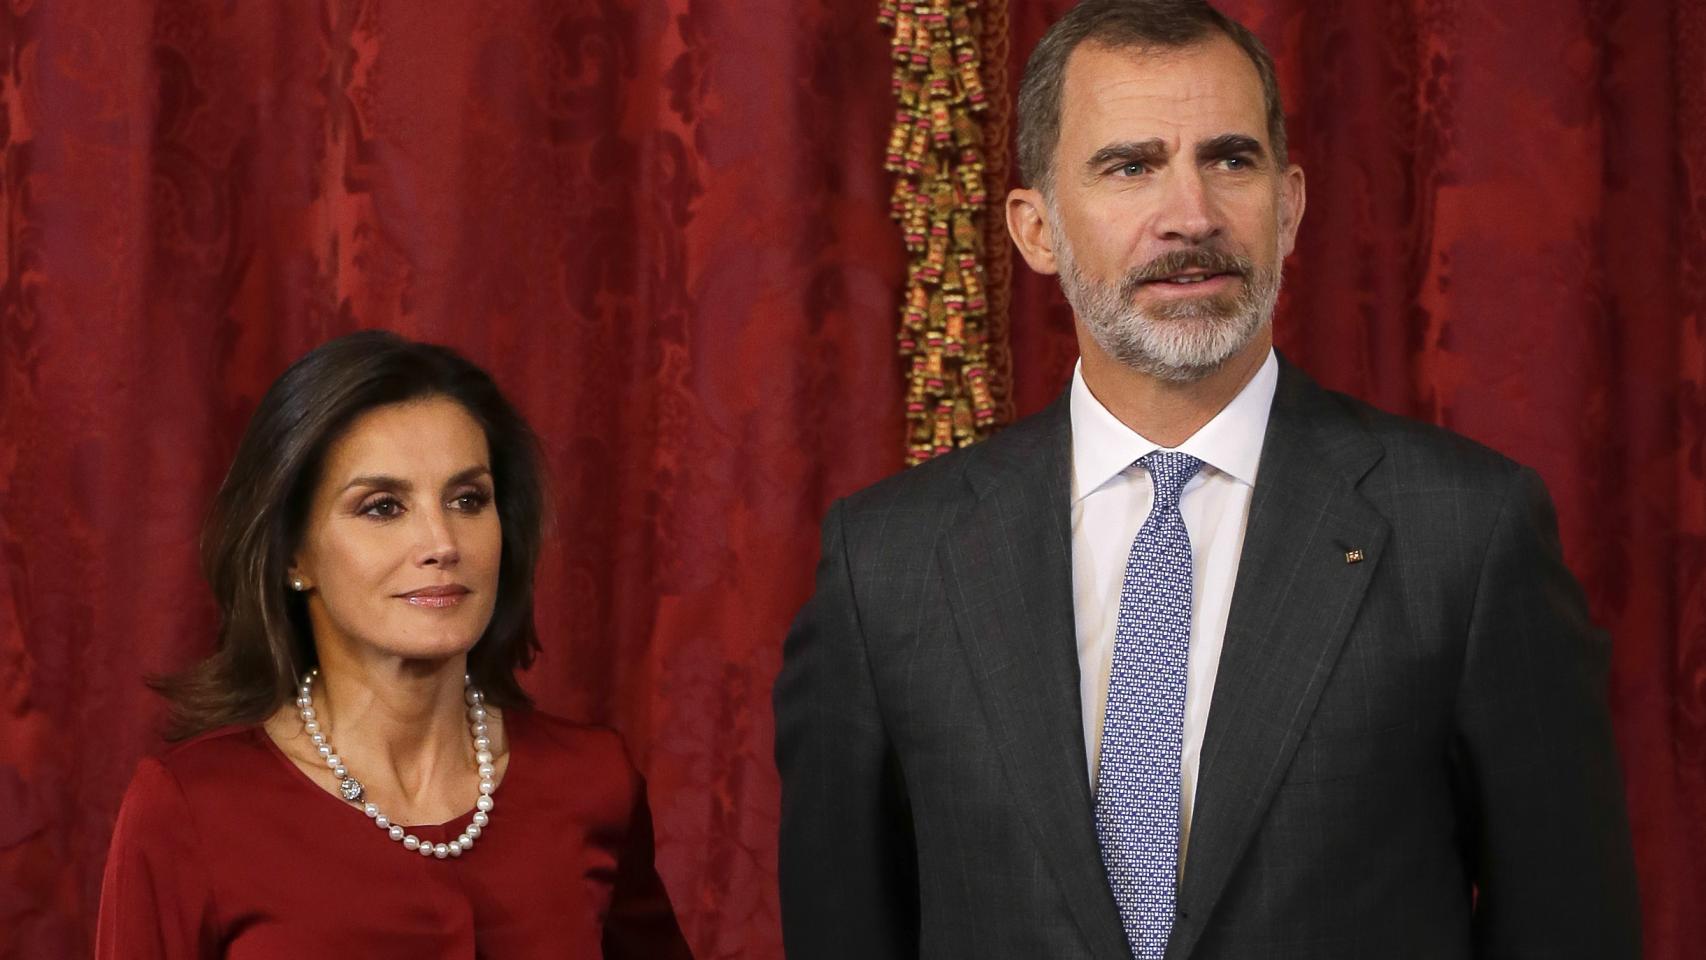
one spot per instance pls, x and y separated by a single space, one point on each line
211 771
225 759
555 739
215 750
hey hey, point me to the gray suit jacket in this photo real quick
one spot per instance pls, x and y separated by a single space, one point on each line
1406 756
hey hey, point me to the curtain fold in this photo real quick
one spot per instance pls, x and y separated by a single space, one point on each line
662 226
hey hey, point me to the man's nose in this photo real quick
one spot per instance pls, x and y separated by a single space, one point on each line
1188 212
438 540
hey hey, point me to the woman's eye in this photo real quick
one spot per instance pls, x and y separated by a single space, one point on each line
384 508
473 501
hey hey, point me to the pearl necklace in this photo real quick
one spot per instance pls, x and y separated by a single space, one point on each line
350 788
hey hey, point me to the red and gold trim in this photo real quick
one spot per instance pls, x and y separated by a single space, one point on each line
948 153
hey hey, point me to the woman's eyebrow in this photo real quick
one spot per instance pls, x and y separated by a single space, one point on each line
381 481
471 473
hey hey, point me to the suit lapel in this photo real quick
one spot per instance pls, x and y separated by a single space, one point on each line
1295 598
1007 571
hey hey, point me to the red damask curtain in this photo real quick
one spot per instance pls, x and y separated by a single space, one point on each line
664 227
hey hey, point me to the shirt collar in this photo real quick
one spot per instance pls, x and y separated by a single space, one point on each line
1103 447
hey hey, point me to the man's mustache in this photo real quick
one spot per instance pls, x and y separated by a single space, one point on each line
1180 261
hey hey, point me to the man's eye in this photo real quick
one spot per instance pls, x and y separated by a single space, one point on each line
1237 163
1133 169
384 508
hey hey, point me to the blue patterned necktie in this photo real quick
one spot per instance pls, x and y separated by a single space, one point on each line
1137 782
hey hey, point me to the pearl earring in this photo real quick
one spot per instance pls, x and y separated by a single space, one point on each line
298 584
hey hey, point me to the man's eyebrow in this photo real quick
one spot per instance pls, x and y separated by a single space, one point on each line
1230 145
1131 151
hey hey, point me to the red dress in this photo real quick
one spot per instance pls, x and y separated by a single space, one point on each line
224 848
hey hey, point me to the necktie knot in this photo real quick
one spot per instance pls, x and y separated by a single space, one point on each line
1170 470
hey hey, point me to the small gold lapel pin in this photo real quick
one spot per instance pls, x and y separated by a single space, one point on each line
1353 556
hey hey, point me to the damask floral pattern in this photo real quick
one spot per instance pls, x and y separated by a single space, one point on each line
664 227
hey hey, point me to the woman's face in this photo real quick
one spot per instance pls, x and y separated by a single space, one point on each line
401 543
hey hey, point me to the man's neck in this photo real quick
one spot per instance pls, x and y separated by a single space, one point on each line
1167 412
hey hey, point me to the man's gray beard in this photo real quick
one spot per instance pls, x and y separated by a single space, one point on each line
1180 341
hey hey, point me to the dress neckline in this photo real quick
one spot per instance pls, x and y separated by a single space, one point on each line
448 828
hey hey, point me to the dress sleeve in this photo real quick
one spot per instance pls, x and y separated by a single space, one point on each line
156 900
641 924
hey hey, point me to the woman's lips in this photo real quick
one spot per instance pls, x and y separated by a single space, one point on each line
437 597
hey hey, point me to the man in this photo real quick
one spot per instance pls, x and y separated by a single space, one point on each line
1202 661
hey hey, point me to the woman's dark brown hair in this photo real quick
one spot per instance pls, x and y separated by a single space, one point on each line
257 521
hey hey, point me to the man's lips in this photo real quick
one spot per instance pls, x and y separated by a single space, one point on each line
1191 284
1190 278
442 595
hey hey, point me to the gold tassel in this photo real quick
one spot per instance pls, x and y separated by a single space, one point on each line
936 153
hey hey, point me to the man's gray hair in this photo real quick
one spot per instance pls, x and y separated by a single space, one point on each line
1121 24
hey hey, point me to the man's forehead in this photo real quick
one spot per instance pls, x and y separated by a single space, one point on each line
1199 91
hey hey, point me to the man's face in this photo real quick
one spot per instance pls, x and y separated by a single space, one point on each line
1168 216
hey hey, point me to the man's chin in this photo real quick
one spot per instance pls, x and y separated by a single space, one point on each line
1183 347
1214 308
1172 370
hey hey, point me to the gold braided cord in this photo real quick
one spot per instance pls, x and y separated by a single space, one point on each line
998 264
936 151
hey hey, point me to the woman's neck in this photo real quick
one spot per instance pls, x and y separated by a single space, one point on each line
402 729
402 723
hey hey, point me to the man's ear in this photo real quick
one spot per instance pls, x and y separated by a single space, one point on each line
1027 223
1292 200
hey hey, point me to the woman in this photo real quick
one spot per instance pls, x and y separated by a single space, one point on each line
360 773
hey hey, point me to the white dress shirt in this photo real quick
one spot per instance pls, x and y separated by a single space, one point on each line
1111 497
